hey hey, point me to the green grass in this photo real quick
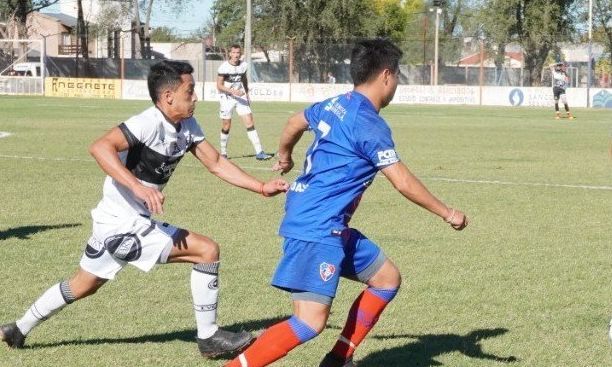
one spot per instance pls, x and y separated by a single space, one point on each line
529 280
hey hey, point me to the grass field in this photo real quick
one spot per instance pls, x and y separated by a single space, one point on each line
528 283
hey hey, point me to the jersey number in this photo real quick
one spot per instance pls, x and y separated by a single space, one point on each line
324 128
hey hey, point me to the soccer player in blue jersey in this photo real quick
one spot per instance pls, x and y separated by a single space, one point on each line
351 144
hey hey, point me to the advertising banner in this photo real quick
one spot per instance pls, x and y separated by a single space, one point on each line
83 88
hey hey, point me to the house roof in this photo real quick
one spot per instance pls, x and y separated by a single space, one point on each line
474 59
65 19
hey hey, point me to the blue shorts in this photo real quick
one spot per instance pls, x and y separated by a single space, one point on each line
317 267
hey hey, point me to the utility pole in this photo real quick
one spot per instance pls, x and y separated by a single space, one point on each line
589 74
247 38
438 10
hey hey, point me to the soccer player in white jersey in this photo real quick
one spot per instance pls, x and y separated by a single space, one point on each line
139 157
560 81
233 88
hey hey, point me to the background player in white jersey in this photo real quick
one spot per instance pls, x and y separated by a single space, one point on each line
234 93
139 157
560 81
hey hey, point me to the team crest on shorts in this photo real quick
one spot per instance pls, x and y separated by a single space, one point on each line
125 246
326 271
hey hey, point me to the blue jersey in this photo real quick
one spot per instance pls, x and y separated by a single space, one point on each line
352 142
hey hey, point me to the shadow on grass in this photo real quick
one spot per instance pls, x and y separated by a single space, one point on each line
423 351
185 335
24 233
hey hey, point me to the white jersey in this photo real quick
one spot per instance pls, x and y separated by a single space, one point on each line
559 79
155 149
233 74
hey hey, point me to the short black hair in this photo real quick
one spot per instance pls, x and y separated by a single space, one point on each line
166 73
370 56
235 45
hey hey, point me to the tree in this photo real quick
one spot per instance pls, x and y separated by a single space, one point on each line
537 25
164 34
19 10
319 29
602 19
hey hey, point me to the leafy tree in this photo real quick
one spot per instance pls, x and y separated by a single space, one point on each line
19 10
164 34
320 30
537 25
602 19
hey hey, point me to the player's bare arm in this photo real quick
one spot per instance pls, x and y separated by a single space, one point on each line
105 151
414 190
293 131
245 85
230 173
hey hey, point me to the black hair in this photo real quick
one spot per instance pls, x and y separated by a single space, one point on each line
166 73
235 45
371 56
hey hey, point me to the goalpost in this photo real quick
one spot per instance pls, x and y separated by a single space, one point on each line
22 66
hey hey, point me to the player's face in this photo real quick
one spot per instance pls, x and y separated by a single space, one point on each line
184 98
392 79
234 56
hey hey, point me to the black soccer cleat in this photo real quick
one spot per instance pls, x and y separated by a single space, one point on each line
12 336
331 360
224 342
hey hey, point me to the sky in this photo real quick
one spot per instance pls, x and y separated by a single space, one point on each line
192 17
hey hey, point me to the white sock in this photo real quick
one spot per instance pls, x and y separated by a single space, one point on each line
52 301
254 138
223 138
205 293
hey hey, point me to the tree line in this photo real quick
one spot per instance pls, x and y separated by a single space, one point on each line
321 30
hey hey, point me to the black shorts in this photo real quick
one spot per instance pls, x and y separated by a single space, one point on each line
557 92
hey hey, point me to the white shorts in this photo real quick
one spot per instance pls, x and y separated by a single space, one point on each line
227 104
136 240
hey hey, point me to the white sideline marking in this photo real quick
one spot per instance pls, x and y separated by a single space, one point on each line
494 182
4 134
443 179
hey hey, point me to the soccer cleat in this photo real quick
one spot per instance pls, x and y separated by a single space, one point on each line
570 117
262 156
331 360
223 342
557 117
12 336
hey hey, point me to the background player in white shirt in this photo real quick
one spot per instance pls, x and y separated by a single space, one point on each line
560 81
139 157
234 93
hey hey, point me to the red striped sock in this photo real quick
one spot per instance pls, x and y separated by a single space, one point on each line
274 344
362 317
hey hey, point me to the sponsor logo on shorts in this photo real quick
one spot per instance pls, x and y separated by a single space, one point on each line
326 271
125 246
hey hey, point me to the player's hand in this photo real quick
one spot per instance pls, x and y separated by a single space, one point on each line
237 92
283 166
152 198
457 219
274 187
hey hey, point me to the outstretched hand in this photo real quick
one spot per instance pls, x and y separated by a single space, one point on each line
283 166
274 187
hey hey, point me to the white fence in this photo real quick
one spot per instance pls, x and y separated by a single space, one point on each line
298 92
